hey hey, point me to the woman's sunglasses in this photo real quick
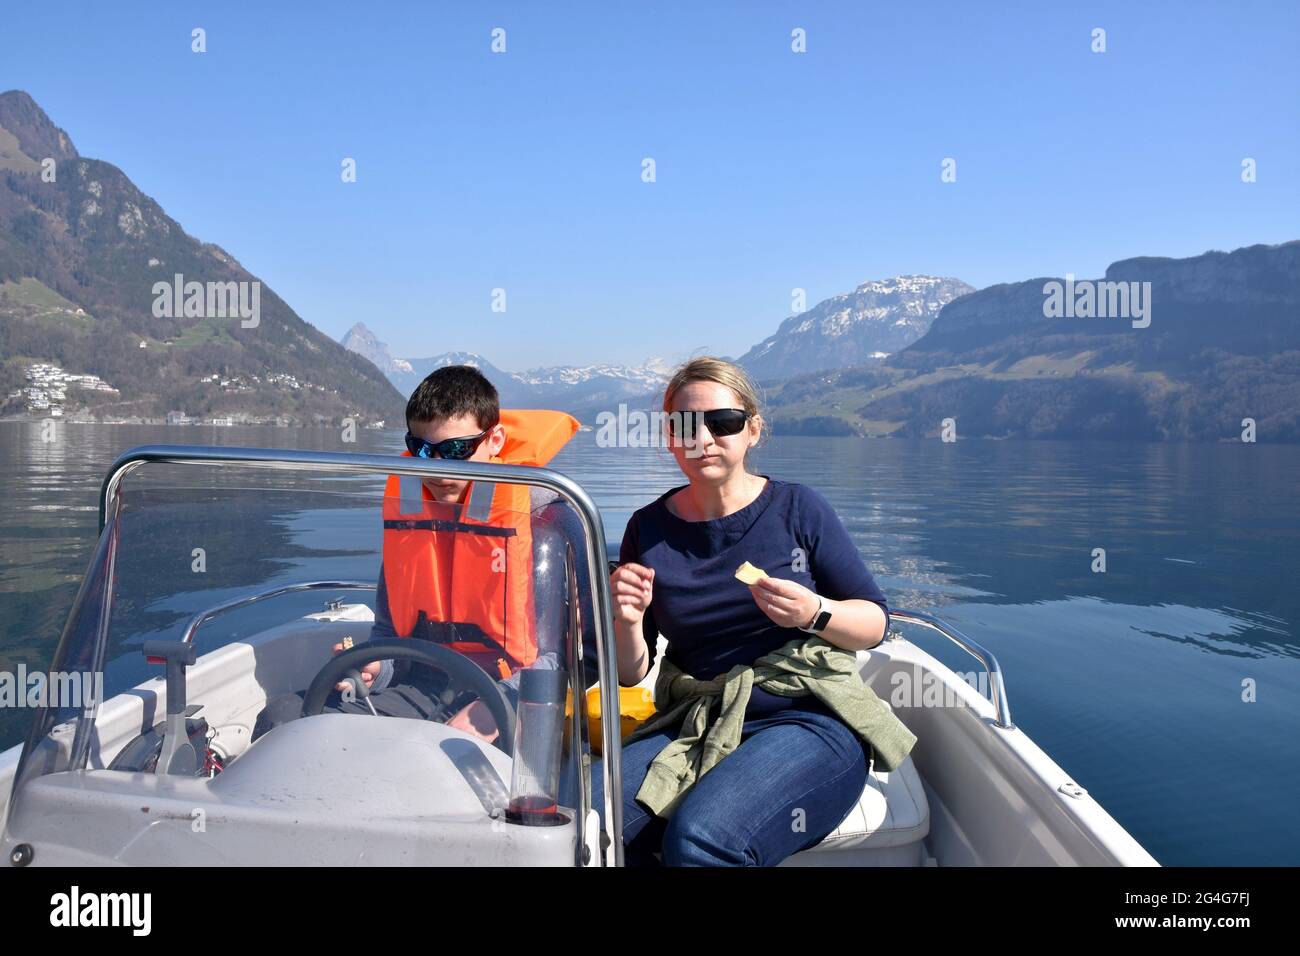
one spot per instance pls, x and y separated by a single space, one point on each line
720 422
456 449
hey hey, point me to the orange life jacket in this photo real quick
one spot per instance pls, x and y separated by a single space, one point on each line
471 562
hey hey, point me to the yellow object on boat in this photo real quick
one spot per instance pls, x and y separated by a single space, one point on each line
635 707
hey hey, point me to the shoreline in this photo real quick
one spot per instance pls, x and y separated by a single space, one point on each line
160 422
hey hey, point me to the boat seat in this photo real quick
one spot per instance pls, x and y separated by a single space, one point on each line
887 826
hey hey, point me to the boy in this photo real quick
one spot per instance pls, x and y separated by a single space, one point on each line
460 562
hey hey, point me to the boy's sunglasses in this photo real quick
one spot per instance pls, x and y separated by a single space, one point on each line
455 449
720 422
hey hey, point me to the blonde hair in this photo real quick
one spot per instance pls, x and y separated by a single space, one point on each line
708 368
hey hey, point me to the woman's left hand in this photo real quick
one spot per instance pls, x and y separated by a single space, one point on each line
787 603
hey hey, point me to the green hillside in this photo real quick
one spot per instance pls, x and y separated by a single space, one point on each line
91 241
1223 345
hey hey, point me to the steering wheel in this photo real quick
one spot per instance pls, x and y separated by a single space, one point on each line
462 671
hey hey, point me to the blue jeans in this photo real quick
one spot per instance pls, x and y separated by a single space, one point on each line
792 780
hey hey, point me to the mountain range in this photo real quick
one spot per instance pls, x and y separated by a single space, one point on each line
1220 345
869 323
582 390
1199 346
861 326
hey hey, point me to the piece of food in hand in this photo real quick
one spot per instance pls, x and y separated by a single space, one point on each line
347 643
749 574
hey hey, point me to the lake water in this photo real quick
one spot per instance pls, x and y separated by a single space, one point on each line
1132 679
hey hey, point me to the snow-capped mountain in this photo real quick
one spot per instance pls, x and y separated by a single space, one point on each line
587 390
874 320
648 375
871 322
582 390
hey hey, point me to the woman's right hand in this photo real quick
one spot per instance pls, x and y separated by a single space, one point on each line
632 587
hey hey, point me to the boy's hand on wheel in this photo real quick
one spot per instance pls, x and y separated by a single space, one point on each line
368 673
476 719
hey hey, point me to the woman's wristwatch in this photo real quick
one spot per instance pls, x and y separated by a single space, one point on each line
819 620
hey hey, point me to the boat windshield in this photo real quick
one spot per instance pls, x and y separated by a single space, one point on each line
225 607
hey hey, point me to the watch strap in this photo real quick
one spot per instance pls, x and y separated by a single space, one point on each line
820 619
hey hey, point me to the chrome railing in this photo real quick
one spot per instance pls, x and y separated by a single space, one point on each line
372 465
204 616
997 686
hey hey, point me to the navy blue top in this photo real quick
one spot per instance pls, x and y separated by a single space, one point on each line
710 619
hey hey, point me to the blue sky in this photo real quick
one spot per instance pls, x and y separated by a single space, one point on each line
775 170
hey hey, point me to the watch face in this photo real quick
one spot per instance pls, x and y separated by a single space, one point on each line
823 619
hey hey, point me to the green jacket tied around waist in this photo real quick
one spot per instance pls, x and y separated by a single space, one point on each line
708 734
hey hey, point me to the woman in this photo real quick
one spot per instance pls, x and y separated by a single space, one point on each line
799 768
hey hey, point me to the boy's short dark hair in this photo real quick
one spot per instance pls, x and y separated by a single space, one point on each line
455 390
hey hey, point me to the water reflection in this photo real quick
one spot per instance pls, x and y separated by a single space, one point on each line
1128 678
